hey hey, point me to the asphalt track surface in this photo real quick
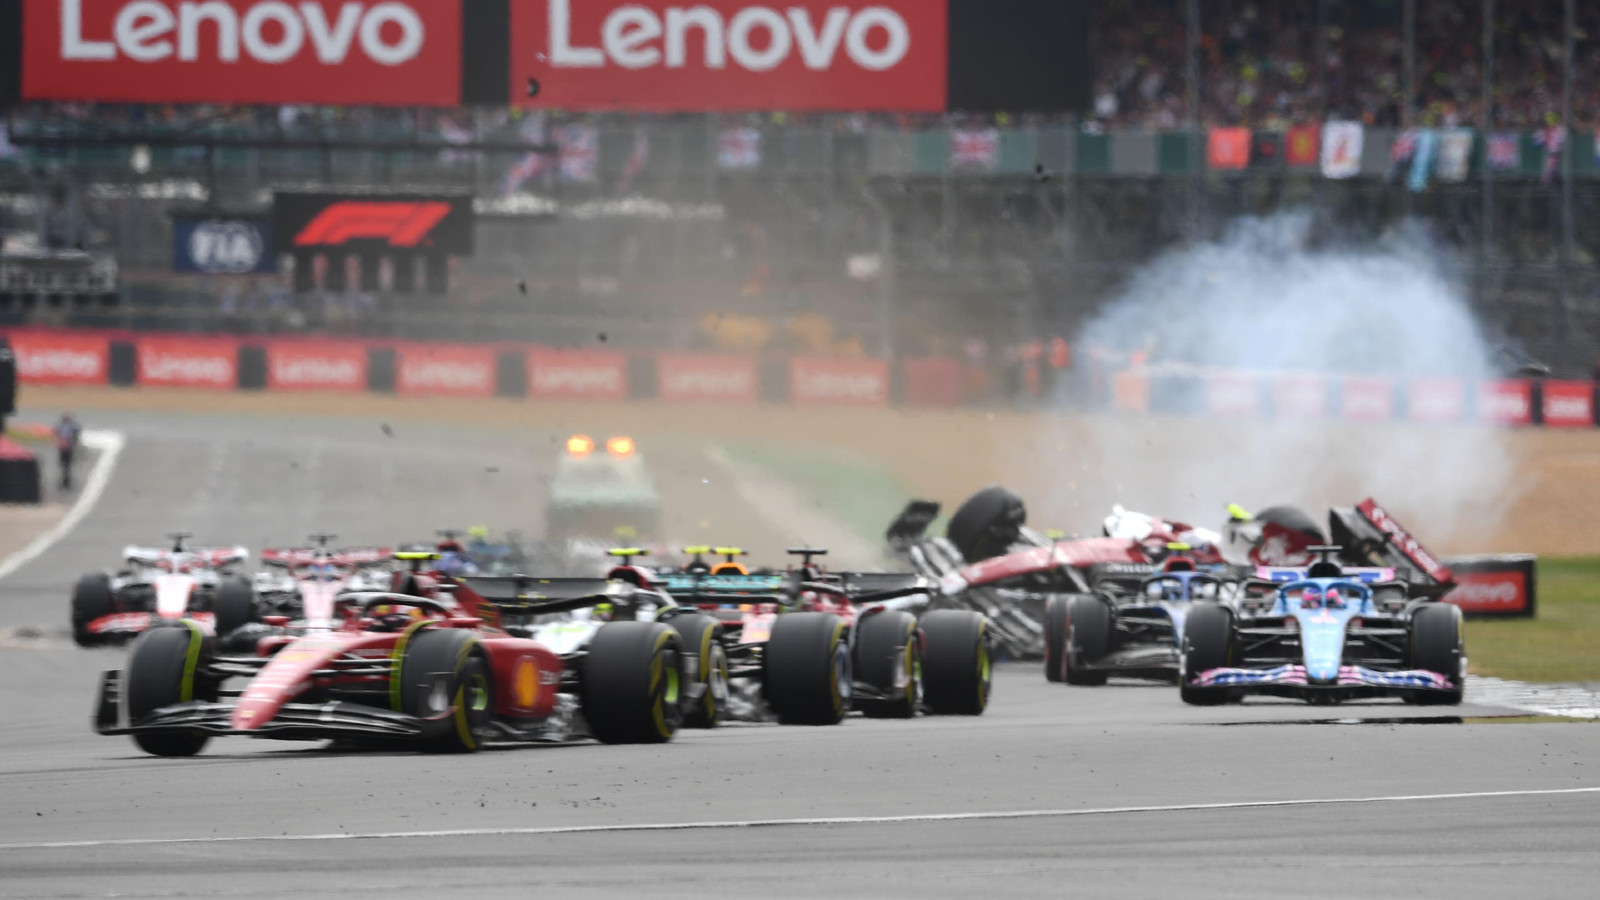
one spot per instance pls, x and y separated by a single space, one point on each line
1115 791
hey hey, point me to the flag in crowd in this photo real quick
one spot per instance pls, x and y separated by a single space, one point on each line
1303 145
532 130
580 152
636 159
1341 149
1401 152
1551 138
1228 148
1455 154
1505 151
1426 146
1266 148
739 148
978 149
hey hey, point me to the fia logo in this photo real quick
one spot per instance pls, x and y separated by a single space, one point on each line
223 247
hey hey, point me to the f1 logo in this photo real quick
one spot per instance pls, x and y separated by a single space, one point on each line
400 223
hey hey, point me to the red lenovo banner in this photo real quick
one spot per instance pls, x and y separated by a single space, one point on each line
1437 400
1568 404
711 55
725 379
843 382
47 357
315 365
1232 394
1493 585
1506 402
423 369
932 381
1363 399
398 52
1300 396
577 373
188 362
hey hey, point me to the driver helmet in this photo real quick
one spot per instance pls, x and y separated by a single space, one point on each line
604 611
393 616
1333 598
1311 597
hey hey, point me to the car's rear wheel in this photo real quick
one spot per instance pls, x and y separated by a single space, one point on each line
957 672
168 665
806 672
466 691
633 683
1088 639
1437 646
705 668
1208 643
92 598
887 661
1055 638
987 524
235 606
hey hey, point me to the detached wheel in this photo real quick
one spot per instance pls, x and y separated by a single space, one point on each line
987 524
1207 644
633 683
467 688
1088 638
1436 645
705 668
91 599
806 669
168 666
956 670
235 606
886 660
1055 639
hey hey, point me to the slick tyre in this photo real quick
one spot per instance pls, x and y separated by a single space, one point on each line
705 668
632 690
445 680
987 524
169 664
1055 639
1208 643
235 606
806 669
1088 638
957 672
1436 646
888 662
91 599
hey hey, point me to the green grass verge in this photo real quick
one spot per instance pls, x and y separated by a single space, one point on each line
1561 644
856 494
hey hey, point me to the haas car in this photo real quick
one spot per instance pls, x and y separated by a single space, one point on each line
807 645
430 668
303 583
1324 633
157 585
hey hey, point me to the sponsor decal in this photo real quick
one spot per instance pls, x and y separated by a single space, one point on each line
1490 592
1505 402
1232 395
221 246
186 362
525 683
719 378
460 371
49 358
374 224
1404 542
730 54
1366 399
316 366
1437 400
577 373
849 382
396 223
392 52
1568 404
1300 397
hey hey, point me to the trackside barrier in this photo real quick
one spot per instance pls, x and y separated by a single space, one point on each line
1497 586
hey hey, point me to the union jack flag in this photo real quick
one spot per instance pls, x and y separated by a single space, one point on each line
739 148
975 149
1504 151
1404 146
636 160
580 151
1551 139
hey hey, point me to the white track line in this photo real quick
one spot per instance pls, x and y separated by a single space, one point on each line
775 823
109 444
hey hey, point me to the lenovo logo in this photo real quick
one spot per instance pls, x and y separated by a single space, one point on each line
399 223
272 32
578 380
177 368
310 371
1505 591
446 376
63 364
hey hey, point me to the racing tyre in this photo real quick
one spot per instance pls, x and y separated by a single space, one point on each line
1436 646
987 524
1055 639
705 669
1088 638
168 665
458 706
1207 644
806 669
235 606
633 683
91 599
956 669
886 659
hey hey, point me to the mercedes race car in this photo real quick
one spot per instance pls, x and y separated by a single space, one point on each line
1324 634
157 585
602 492
430 669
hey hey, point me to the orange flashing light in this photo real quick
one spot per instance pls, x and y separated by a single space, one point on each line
580 445
620 446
